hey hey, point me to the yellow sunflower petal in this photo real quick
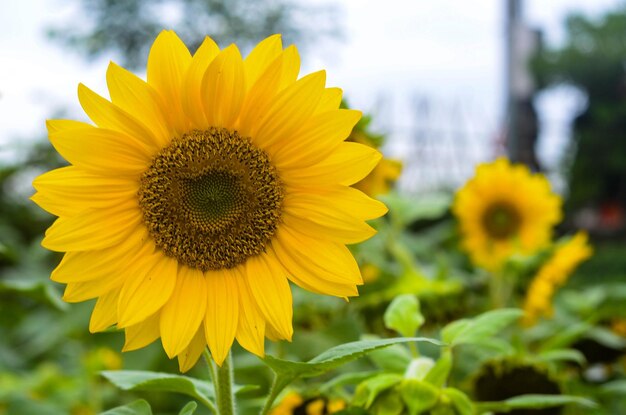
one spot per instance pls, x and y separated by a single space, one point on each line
259 98
290 110
326 260
191 97
270 288
104 313
251 327
140 100
58 207
95 264
182 314
142 334
55 126
85 190
102 151
222 312
331 100
336 226
188 358
107 115
114 278
148 289
168 61
223 88
291 67
334 199
76 292
261 56
332 170
316 139
306 274
92 229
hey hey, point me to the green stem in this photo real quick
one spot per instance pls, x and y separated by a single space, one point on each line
224 387
500 289
278 384
210 365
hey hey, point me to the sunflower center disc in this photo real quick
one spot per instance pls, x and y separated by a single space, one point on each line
501 221
211 199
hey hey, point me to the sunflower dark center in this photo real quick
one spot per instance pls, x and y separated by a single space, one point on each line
211 199
501 221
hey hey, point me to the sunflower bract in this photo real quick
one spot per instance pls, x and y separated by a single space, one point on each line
200 193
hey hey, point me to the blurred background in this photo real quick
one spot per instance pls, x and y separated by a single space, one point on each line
446 85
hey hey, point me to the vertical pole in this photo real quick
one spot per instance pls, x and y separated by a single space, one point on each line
512 22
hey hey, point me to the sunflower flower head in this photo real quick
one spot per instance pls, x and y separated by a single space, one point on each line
197 195
552 275
505 210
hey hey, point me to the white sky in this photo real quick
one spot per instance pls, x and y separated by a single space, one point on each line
444 48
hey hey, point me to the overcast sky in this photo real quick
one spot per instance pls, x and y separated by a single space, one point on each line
445 48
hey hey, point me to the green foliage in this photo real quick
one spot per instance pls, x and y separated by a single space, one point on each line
535 402
475 330
129 27
334 357
136 380
138 407
403 315
592 60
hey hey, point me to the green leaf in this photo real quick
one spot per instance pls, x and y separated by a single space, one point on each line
438 375
474 330
189 409
403 315
389 403
460 401
139 407
418 396
452 330
405 210
566 336
419 367
335 357
534 402
615 387
393 358
346 379
607 338
136 380
563 355
367 392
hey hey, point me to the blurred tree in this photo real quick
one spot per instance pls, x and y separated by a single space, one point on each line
593 59
130 26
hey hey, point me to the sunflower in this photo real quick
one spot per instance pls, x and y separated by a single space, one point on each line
199 194
503 210
553 274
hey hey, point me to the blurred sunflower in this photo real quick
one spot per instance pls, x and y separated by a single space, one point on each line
503 210
201 192
552 275
294 404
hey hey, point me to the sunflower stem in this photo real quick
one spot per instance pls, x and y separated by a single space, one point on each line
211 369
223 384
278 384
